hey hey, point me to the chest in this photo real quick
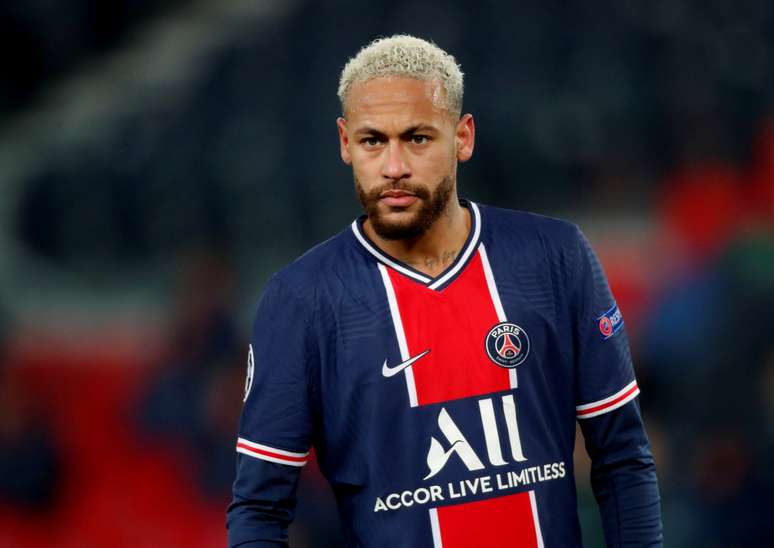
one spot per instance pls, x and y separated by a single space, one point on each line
418 346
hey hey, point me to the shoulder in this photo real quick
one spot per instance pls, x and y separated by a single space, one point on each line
317 270
525 227
534 246
317 261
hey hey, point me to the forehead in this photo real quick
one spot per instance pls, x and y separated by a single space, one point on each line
396 96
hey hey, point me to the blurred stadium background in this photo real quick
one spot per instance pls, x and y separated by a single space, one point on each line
159 159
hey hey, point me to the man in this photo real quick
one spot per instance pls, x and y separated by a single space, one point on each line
437 352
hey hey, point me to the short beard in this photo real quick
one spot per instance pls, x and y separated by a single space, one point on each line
433 205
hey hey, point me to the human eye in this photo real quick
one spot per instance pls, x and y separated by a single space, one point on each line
418 139
369 141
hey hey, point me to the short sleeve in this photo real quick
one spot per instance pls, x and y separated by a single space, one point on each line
276 419
604 373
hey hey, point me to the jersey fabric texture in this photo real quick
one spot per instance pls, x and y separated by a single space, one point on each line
442 410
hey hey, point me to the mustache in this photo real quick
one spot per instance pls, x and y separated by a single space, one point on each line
417 189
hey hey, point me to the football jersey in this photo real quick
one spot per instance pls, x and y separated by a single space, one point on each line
442 410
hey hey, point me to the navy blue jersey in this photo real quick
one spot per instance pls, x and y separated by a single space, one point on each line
442 410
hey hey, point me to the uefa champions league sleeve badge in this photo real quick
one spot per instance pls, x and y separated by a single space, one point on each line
250 372
610 322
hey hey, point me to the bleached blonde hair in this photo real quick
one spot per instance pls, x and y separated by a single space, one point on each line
407 56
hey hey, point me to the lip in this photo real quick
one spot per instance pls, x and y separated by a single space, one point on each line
397 198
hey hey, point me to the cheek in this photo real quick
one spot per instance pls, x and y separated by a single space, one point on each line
437 160
363 172
364 163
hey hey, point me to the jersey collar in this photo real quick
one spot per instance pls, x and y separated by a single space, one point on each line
445 277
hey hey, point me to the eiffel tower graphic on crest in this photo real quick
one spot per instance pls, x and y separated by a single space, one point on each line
508 349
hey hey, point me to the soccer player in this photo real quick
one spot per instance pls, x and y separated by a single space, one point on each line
437 352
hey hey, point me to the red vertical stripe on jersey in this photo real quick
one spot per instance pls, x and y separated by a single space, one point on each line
502 522
453 324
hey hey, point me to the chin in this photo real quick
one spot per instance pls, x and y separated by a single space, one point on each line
399 226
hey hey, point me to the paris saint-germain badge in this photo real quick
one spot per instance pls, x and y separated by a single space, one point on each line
507 345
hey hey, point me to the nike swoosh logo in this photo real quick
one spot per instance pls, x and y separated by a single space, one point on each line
390 371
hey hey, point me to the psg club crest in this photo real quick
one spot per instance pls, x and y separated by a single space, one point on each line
507 345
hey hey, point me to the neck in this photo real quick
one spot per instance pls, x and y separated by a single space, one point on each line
432 252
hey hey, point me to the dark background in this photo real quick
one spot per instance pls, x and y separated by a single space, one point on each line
159 160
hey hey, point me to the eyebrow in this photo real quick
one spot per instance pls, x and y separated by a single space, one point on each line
405 133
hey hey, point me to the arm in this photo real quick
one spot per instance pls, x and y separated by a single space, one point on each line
263 504
623 477
623 473
275 427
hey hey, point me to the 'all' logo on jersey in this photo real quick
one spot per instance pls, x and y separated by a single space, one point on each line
507 345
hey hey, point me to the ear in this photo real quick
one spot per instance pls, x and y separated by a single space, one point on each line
341 125
465 137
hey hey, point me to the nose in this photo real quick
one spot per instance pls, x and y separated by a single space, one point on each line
395 166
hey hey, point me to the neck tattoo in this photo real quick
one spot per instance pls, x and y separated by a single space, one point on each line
446 258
